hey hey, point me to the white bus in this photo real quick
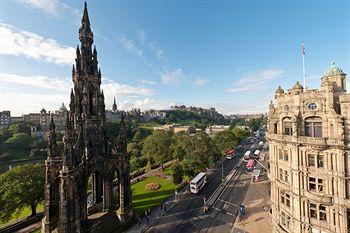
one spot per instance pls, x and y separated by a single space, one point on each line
256 154
198 182
246 156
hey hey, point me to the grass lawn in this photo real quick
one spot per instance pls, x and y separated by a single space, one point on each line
149 125
26 212
143 199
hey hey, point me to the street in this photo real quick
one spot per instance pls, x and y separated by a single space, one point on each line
188 215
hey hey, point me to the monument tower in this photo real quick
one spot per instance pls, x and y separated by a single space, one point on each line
87 154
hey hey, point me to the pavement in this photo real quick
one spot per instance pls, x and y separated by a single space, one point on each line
257 204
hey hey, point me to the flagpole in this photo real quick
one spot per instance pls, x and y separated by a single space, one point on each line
304 74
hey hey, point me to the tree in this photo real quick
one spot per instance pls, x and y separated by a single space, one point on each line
22 186
158 146
225 140
182 144
141 133
20 127
19 142
177 173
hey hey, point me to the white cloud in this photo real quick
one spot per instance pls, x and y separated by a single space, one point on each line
158 53
252 81
145 104
112 88
35 81
261 76
24 94
174 77
50 7
141 34
130 46
23 43
200 82
150 82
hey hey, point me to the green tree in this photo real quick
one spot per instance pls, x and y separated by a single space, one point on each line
182 144
177 173
22 186
225 140
158 146
4 135
19 142
20 127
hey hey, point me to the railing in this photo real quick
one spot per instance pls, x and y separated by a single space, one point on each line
305 140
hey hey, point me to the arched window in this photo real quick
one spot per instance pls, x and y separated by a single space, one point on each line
287 126
313 127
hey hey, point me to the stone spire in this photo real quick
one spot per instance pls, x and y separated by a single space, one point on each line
114 107
85 33
122 135
52 145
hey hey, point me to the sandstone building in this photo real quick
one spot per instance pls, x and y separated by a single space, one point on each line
88 156
308 134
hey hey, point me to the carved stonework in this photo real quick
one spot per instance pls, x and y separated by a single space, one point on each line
87 153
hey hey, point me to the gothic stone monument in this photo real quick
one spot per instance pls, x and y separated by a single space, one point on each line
87 153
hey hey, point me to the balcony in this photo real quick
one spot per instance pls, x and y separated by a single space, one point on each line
320 198
305 140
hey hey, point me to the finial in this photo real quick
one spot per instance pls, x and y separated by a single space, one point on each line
85 5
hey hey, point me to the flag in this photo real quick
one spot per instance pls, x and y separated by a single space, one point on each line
303 49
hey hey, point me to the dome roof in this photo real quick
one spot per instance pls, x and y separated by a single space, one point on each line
333 70
43 111
279 90
63 108
298 86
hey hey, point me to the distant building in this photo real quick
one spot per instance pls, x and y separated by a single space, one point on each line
247 116
16 119
176 128
153 115
309 136
5 119
214 129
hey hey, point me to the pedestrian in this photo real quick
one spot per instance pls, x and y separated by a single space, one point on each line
161 205
139 221
147 218
164 207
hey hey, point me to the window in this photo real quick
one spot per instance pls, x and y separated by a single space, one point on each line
287 126
318 212
313 127
313 211
286 176
323 213
280 154
316 185
275 128
285 198
285 220
312 106
320 161
311 160
285 155
281 174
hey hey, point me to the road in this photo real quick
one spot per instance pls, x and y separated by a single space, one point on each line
188 215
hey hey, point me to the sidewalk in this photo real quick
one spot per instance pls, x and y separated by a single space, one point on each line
256 219
157 213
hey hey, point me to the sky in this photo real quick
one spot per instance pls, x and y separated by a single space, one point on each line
231 55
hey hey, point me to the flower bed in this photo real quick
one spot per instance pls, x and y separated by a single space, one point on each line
152 186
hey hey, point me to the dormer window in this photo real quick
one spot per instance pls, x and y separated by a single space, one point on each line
287 126
313 127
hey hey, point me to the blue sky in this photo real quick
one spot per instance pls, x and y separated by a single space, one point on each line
230 55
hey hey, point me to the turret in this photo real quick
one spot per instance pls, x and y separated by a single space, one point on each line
52 145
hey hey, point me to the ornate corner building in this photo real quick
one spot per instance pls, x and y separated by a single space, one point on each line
88 159
308 134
